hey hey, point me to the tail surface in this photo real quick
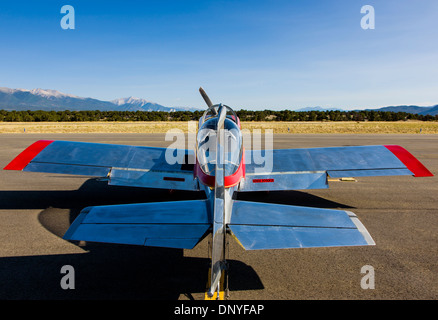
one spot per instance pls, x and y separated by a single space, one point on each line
273 226
176 224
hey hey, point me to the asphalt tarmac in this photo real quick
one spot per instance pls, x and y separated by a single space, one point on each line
401 214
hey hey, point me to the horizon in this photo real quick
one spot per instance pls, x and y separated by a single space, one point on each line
296 109
248 54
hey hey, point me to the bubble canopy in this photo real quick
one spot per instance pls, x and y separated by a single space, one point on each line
207 145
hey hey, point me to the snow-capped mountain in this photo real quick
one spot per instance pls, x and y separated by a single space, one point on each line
130 100
48 93
48 99
138 104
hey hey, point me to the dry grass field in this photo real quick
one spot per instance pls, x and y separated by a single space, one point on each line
402 127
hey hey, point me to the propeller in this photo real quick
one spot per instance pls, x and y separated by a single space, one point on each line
207 100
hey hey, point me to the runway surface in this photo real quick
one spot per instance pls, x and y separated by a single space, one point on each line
401 214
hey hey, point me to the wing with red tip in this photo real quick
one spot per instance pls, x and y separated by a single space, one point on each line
412 163
124 165
295 169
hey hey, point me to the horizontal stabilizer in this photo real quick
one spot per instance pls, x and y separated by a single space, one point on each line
177 224
273 226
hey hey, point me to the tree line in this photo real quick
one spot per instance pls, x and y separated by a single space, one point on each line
244 115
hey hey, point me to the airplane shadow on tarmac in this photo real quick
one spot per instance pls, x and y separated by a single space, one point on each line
109 271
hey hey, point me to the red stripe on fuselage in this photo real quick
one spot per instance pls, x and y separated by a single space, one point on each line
23 159
412 163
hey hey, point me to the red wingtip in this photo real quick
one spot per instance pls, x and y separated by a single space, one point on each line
412 163
23 159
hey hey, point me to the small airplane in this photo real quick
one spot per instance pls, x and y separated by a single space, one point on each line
220 166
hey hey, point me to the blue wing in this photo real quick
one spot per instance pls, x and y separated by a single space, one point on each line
122 164
293 169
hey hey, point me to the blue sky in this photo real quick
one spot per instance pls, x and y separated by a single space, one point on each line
247 54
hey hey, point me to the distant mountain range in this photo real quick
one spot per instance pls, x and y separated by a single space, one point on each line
433 111
47 100
408 109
